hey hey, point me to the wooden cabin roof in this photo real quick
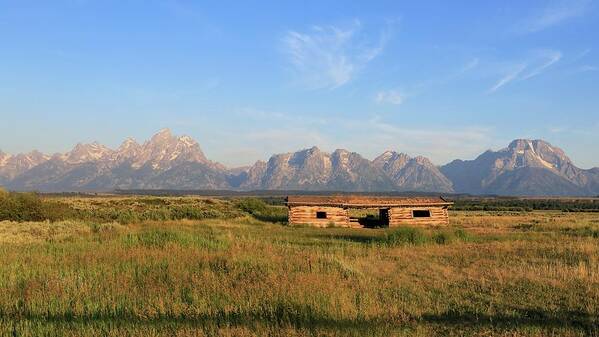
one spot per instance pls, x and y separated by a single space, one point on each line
360 201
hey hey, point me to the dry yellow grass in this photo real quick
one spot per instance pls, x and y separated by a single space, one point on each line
489 274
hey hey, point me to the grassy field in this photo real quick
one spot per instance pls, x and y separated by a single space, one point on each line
147 266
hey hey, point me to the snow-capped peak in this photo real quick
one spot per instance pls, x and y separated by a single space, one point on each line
163 150
390 156
161 136
188 141
535 153
128 142
13 165
4 158
82 153
387 154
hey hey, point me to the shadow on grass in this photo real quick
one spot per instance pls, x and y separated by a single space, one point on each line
219 319
396 237
521 318
407 236
272 218
304 318
364 239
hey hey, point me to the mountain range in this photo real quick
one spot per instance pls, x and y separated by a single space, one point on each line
166 161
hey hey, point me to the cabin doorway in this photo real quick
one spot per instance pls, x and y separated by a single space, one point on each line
370 218
384 217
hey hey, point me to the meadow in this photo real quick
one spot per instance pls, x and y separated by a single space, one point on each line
198 266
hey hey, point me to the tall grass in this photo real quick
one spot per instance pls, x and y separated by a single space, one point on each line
16 206
244 276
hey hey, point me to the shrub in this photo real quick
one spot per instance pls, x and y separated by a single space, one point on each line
582 232
416 236
405 236
195 213
443 238
31 207
262 211
3 194
127 217
464 236
252 206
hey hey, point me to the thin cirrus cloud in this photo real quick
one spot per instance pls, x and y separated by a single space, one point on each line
438 144
328 57
511 75
397 97
532 67
587 68
552 15
394 97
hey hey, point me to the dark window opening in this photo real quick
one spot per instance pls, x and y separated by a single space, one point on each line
321 215
419 213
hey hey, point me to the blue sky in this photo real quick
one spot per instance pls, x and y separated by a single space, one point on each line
444 79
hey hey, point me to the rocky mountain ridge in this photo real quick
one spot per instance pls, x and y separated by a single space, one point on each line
525 167
166 161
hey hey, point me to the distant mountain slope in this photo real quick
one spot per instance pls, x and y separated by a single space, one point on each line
352 172
12 166
525 167
312 169
413 174
532 181
342 170
165 161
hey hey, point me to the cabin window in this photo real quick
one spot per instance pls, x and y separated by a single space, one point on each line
421 213
321 215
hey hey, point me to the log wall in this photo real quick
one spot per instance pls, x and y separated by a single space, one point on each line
336 216
403 216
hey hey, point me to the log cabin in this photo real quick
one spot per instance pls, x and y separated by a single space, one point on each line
334 211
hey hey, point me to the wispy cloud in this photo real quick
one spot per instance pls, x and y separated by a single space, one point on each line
510 76
469 66
579 63
397 97
393 96
580 55
550 57
439 144
188 10
293 119
586 68
330 56
552 15
532 67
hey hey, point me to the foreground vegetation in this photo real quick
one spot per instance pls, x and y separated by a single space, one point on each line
527 204
233 267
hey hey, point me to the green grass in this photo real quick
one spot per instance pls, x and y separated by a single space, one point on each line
251 275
